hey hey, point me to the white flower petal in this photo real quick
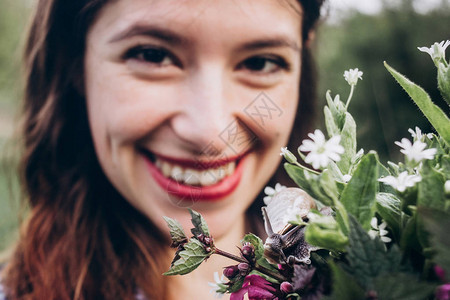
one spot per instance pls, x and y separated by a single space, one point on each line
374 223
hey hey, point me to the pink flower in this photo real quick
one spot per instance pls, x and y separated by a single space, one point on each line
257 288
443 292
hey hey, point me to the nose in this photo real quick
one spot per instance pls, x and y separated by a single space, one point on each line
205 111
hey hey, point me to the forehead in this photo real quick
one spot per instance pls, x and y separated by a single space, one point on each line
215 19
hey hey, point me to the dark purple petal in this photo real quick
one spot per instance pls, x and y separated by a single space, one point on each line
440 273
258 293
443 292
239 295
255 280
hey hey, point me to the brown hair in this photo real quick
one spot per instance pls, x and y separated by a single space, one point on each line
81 239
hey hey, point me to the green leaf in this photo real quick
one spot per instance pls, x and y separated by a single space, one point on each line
176 231
308 181
444 82
359 195
409 239
402 286
348 141
328 185
368 258
431 188
236 284
331 125
345 286
388 207
200 226
190 258
437 224
432 112
327 236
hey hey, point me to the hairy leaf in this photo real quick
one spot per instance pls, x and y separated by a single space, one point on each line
345 286
432 112
388 207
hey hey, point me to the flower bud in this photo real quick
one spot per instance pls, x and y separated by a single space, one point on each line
231 272
288 155
248 252
244 269
286 287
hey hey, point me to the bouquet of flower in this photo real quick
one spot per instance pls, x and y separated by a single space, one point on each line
355 228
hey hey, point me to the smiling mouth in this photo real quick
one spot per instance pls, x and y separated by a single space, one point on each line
196 173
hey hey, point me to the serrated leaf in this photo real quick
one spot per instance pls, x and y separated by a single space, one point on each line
402 286
345 287
348 141
190 258
369 258
359 195
437 224
176 231
200 226
388 207
432 112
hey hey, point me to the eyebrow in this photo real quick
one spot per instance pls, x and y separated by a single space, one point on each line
175 39
150 31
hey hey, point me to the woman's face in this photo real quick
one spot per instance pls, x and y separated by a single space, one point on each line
190 101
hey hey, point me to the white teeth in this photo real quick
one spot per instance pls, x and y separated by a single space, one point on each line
208 178
177 173
194 177
191 177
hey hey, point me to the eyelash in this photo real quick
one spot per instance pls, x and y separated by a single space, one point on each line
140 52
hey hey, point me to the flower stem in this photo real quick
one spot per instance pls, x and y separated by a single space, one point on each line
350 96
256 267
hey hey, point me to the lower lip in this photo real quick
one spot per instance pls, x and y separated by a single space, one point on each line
210 193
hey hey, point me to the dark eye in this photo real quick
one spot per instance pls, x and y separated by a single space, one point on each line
263 64
157 56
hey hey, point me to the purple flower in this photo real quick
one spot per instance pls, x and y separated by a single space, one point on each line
257 288
443 292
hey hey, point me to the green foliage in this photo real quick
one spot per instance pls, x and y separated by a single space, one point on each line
402 286
368 258
345 286
383 111
433 113
190 258
359 195
437 223
200 226
176 231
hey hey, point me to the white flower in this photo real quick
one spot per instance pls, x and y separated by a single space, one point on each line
379 230
418 136
436 51
401 182
320 150
219 284
352 76
270 191
416 152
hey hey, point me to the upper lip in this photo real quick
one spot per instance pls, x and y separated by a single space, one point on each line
200 164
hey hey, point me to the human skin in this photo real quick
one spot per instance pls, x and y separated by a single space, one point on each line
178 99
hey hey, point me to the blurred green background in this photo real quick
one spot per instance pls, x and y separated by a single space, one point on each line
385 30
